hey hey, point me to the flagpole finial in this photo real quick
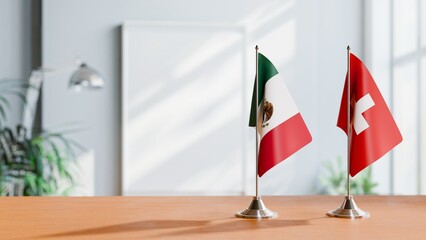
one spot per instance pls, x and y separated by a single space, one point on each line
348 48
257 48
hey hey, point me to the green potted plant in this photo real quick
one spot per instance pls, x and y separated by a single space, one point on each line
333 181
35 165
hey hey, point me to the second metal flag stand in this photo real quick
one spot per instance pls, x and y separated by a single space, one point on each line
348 208
257 208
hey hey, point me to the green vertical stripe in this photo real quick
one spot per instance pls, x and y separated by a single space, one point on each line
266 71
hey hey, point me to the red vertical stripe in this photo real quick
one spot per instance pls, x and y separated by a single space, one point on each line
282 141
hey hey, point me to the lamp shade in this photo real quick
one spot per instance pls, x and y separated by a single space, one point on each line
86 77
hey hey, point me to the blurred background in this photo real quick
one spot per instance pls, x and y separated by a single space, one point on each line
172 115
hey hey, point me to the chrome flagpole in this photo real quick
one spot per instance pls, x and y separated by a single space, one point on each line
348 208
257 121
257 208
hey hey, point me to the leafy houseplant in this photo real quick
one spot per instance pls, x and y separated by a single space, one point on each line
33 165
334 181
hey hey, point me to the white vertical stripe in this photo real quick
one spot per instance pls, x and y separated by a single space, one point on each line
276 92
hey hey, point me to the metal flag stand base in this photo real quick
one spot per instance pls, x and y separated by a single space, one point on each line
257 209
348 209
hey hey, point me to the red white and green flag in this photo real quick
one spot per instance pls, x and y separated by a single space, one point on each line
281 127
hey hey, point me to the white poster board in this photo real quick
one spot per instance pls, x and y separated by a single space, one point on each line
183 117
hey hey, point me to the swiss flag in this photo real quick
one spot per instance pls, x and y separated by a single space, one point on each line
373 130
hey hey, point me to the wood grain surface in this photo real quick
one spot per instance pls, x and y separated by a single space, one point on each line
300 217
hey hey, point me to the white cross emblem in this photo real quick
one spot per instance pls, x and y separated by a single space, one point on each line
362 105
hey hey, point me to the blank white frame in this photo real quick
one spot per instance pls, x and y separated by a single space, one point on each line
127 29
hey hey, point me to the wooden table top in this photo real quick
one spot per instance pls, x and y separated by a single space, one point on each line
300 217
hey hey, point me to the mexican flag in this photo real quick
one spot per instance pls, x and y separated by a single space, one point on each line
280 125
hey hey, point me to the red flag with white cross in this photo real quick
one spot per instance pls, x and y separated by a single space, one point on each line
373 130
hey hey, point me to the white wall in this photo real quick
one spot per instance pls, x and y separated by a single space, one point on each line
15 47
306 39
